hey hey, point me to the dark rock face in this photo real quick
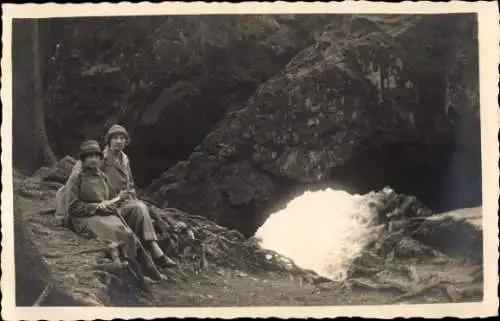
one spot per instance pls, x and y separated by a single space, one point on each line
182 72
365 108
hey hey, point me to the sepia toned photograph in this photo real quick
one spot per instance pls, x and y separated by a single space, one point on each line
246 160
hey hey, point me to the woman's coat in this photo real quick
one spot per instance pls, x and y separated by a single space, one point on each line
85 218
133 210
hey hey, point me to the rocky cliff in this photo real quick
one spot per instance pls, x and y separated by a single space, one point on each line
239 113
169 79
383 101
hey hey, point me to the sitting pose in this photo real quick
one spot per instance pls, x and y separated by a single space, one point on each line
92 211
90 208
117 168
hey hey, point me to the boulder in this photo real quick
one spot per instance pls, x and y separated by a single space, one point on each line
377 82
168 79
60 172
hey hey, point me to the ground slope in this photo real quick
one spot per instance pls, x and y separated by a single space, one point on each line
72 262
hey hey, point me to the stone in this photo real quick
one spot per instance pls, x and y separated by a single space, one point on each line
359 91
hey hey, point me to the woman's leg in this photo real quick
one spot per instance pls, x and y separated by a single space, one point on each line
136 213
112 228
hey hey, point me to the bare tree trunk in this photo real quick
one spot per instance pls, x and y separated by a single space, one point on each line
46 157
30 147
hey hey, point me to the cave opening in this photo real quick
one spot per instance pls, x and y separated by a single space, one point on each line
407 170
446 180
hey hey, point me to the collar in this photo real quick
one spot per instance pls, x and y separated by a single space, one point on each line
120 159
107 154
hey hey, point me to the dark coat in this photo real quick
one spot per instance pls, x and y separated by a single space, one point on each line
85 218
119 173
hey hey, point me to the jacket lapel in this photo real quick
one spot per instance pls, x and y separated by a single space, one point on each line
110 160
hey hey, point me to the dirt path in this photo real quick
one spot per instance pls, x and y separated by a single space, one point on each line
239 289
262 290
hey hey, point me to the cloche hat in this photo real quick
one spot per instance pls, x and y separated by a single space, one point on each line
114 130
89 147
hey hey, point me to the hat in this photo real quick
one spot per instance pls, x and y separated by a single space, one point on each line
114 130
90 147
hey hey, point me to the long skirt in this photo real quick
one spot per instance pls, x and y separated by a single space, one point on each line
107 228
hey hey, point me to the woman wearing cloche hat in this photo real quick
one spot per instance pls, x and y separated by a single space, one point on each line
90 210
116 165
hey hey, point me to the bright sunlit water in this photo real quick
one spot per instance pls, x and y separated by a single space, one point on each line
322 230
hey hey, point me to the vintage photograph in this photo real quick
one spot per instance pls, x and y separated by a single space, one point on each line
246 160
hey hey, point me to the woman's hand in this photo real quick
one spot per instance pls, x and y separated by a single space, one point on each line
105 205
122 195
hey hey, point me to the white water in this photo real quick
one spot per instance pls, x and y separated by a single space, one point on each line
323 230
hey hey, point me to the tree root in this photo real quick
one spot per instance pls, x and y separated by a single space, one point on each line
108 277
199 243
440 284
49 211
368 284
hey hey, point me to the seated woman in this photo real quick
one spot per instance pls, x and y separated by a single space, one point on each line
116 165
92 212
